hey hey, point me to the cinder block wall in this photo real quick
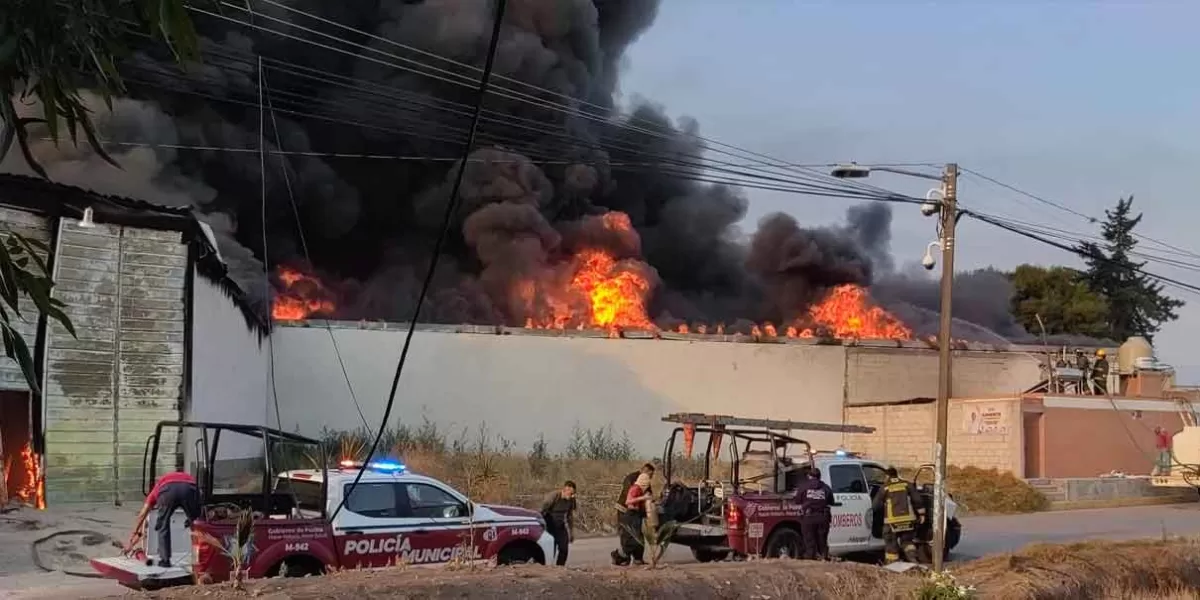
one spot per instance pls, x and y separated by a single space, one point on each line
904 435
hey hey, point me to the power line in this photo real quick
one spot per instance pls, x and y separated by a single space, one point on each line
457 79
1069 210
503 140
443 235
568 101
1080 238
1022 232
287 180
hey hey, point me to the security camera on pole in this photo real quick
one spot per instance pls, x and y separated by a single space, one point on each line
946 207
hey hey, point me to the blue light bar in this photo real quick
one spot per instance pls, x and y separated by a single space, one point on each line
387 466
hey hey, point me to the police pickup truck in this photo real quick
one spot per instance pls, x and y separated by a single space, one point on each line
750 509
392 517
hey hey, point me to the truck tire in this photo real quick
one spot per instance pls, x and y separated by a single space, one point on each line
520 553
704 554
953 536
784 542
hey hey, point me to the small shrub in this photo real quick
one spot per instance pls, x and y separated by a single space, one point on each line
943 586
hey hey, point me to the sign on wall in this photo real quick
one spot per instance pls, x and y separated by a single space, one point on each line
985 419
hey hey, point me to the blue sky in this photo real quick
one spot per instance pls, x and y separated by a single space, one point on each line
1078 102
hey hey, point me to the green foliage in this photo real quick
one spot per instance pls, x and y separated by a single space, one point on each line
943 586
599 444
1061 297
1136 303
24 278
51 51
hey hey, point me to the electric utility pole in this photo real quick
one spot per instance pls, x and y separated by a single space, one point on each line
948 218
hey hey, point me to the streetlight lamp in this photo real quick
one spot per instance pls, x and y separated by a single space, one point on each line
947 208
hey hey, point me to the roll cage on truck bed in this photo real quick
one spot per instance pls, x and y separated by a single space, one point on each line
750 509
272 505
393 516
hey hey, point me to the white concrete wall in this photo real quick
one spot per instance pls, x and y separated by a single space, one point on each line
230 381
891 374
523 386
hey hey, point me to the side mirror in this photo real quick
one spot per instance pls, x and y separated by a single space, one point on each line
451 512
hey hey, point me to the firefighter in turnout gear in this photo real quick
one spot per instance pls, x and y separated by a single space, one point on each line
901 510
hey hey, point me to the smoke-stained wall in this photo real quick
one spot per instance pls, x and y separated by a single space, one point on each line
526 385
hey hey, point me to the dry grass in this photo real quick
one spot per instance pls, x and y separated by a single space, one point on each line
489 469
1134 569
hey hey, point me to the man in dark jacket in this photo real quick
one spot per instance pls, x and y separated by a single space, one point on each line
559 512
630 549
901 507
815 498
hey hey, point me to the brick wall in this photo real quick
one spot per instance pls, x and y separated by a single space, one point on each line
1090 442
904 434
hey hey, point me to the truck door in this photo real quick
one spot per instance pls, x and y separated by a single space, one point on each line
370 530
442 530
849 529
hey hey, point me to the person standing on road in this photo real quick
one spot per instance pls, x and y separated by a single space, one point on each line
621 556
633 521
815 498
901 508
559 512
1162 443
173 491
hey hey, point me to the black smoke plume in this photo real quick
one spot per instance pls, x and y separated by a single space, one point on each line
368 156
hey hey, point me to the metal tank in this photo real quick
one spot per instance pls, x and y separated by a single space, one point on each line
1133 349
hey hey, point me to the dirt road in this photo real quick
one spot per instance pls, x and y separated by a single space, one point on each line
982 536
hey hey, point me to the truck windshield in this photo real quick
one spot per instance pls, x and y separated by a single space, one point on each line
307 493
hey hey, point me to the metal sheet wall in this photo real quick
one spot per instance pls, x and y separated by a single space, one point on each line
105 390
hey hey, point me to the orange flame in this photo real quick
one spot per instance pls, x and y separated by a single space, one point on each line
617 295
602 291
848 313
302 297
33 492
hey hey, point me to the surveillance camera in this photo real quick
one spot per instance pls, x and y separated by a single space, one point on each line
928 261
929 208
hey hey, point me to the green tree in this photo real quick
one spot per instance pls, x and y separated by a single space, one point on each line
1061 297
25 278
1136 302
51 51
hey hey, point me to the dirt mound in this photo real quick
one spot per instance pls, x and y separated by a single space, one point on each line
1094 570
758 579
1146 568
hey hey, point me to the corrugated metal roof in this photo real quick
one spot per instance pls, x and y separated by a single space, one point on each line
38 195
